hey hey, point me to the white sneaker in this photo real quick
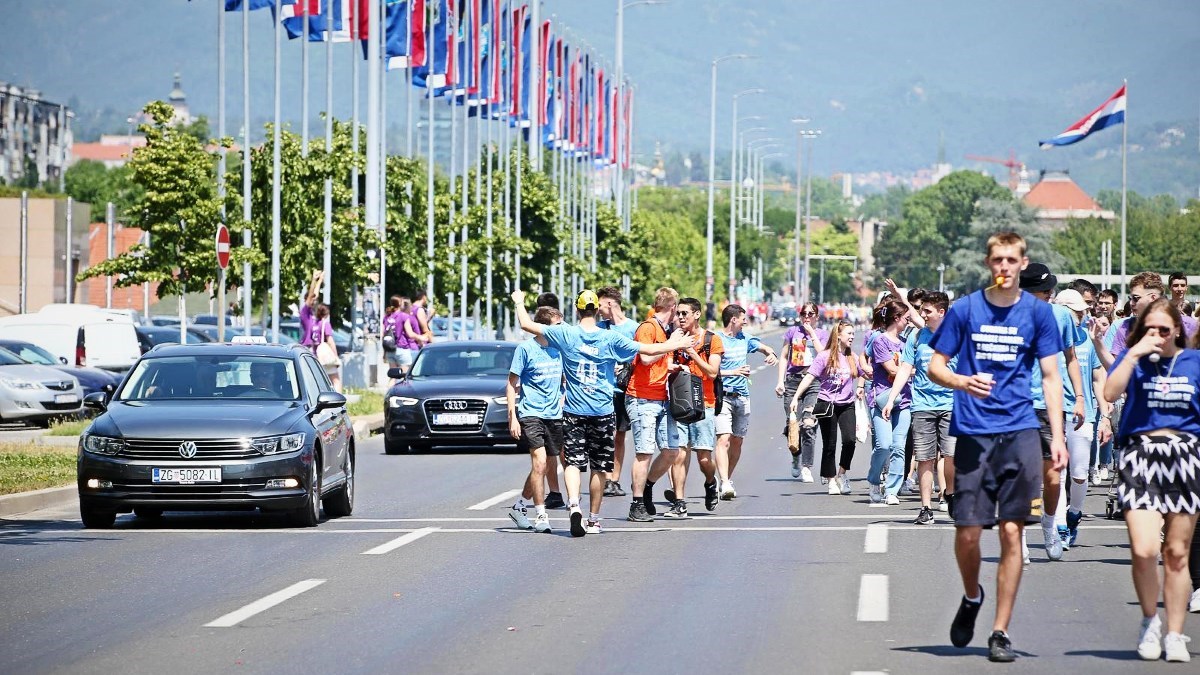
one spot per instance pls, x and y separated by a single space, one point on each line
1024 548
834 489
732 491
1194 604
1103 473
1094 477
824 480
795 466
806 475
594 528
844 481
892 500
943 506
1150 639
520 517
1054 544
541 523
876 494
1175 645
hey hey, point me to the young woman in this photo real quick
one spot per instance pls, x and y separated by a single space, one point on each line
800 345
1158 445
889 435
322 336
837 369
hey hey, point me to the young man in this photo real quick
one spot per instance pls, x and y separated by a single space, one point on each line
588 354
1179 287
537 371
997 334
733 422
931 406
704 361
1144 288
1106 303
613 318
554 498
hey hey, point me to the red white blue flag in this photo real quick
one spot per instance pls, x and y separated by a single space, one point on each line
1110 113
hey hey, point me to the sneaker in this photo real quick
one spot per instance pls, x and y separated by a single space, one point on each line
1103 474
1073 518
806 475
892 500
648 500
677 510
520 517
1054 545
1024 548
617 490
541 523
637 513
593 527
824 480
948 500
1194 604
1094 477
834 488
910 487
1175 645
844 481
876 494
577 523
710 496
1150 640
669 495
727 491
1064 535
944 506
796 466
554 500
1000 648
925 517
963 628
610 489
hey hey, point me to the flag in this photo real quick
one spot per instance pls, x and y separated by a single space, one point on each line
1110 113
399 39
292 13
432 74
517 69
416 33
236 5
628 112
350 20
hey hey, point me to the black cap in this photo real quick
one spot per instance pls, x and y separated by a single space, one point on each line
1037 278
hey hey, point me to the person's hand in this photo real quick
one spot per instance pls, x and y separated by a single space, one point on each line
514 428
1077 413
744 371
979 386
518 297
893 289
887 411
1151 343
1058 454
779 389
809 421
771 360
680 341
1105 430
317 275
793 405
861 393
1097 332
674 367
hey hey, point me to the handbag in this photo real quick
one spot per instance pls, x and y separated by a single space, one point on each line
793 434
862 421
823 408
685 396
327 356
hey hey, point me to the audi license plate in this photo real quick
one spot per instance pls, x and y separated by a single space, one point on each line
66 398
186 476
456 419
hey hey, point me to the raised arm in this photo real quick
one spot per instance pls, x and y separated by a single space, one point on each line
527 323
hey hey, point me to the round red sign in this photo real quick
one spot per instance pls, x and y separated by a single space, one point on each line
222 246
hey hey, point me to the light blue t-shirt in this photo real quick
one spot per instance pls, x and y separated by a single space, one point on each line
628 328
540 369
737 349
588 358
1089 361
1071 336
1003 341
926 394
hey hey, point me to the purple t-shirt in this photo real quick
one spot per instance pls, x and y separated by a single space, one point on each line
1190 325
307 322
402 340
803 349
886 348
837 382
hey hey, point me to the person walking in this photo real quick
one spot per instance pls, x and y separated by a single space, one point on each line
733 420
890 435
613 318
836 368
800 344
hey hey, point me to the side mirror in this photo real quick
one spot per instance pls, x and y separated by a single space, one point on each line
396 374
329 399
62 360
97 400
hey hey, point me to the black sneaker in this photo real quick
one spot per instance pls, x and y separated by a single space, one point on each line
949 499
669 495
963 628
554 500
925 517
637 513
648 499
577 524
1000 648
617 491
610 489
678 510
710 496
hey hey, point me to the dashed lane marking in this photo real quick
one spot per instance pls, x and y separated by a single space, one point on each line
873 598
401 541
488 503
877 538
235 617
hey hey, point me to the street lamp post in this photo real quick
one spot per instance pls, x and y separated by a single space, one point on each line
810 134
799 167
712 175
733 186
741 161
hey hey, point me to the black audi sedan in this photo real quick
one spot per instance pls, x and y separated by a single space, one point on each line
219 427
453 396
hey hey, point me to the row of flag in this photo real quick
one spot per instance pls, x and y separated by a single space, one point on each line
476 53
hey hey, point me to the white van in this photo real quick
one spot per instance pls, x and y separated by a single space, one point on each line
83 335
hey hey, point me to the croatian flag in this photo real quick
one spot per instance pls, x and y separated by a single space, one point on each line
1110 113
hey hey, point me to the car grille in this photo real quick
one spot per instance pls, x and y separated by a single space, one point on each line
56 407
434 407
57 385
225 448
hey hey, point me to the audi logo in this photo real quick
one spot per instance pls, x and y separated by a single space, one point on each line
187 449
455 405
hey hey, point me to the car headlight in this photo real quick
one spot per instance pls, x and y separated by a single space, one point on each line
397 401
278 444
501 400
17 383
103 445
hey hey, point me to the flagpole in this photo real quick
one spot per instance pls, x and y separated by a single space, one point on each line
1124 182
220 134
408 97
354 174
429 224
275 188
304 84
383 155
371 202
468 57
246 205
327 261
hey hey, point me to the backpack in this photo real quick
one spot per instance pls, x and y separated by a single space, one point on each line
718 385
685 394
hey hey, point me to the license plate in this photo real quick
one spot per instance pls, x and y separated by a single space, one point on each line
455 419
66 398
186 476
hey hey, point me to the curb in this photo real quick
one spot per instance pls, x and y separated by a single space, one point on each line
366 426
24 502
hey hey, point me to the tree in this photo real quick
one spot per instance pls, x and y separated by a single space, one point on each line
1000 215
91 182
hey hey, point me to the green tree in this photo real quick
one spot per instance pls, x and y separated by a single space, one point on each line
93 183
1000 215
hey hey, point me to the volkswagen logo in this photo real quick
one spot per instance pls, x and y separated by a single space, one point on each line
187 449
456 405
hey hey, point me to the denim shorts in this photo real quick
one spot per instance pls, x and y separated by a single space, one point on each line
652 425
700 435
931 435
735 416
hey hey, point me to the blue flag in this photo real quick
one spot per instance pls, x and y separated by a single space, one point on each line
236 5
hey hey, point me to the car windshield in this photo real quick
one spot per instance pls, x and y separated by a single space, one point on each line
8 358
480 362
30 353
211 377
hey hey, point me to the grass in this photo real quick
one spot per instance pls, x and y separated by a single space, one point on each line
370 403
30 466
68 427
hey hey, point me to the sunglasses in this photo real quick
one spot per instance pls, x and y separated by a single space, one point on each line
683 312
808 314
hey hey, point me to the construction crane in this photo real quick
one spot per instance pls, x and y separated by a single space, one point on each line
1014 167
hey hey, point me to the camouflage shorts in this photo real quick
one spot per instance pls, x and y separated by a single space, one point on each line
588 441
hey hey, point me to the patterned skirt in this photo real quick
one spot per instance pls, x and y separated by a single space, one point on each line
1160 472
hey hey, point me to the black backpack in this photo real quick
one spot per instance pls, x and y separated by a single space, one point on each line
686 391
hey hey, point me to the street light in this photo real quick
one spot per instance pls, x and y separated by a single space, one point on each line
623 5
712 175
733 181
733 226
810 134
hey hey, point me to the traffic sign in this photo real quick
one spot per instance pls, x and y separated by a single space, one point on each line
222 246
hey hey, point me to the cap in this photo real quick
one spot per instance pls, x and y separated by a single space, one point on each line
1037 278
1071 299
587 300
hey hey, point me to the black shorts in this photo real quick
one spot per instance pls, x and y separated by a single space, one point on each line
589 441
1044 433
997 477
622 414
540 433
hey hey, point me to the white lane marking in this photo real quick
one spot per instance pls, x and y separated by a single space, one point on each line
488 503
873 598
234 618
868 672
401 541
862 516
877 538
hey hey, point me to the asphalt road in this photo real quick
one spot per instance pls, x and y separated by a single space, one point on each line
783 579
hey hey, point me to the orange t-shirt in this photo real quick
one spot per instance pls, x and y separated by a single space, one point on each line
717 347
649 381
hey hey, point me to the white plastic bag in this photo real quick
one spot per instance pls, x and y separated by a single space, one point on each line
862 421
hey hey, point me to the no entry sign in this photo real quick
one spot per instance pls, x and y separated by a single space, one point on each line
222 246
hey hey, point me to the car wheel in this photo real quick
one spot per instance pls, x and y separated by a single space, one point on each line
395 448
341 503
147 513
310 514
96 518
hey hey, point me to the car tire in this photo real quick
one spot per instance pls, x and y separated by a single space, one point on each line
396 448
96 518
147 512
341 503
310 514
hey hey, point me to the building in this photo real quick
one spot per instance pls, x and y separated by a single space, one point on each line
130 297
1058 199
112 150
178 101
35 135
50 258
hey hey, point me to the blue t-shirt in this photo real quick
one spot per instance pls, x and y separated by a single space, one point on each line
1003 341
737 349
540 369
1071 336
1089 361
1155 401
628 328
588 358
926 394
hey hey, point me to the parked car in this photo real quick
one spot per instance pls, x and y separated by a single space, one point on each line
36 394
210 320
234 331
788 316
440 327
150 337
90 379
454 395
164 320
84 335
201 427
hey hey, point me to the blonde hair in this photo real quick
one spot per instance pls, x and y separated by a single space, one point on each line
1006 239
849 353
665 297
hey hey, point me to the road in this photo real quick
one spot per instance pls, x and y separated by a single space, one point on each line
428 578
